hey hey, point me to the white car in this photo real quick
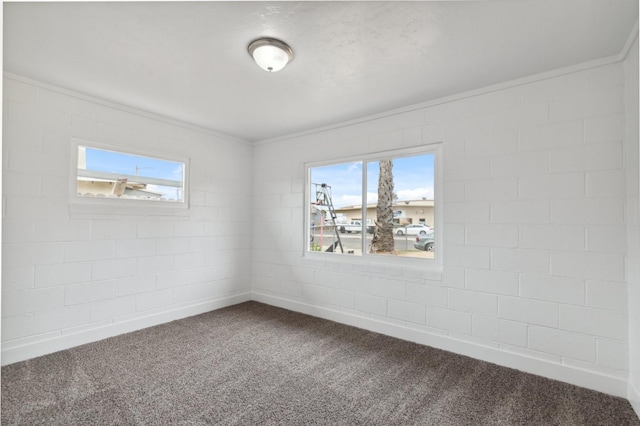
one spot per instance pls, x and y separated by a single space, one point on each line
413 230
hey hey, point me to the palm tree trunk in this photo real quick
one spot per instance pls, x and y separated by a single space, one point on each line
382 241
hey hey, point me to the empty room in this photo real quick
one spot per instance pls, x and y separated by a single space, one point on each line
381 213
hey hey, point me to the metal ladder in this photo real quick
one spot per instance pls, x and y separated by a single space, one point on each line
323 198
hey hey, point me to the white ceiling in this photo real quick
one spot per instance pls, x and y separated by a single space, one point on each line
189 60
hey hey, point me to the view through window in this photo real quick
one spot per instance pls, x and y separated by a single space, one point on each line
112 174
382 206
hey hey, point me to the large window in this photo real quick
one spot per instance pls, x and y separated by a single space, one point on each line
383 204
110 174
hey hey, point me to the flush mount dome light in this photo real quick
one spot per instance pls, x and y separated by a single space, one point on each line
270 54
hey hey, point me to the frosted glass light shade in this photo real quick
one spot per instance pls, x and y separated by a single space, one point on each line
270 54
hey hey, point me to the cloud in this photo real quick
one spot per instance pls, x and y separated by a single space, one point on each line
176 174
166 191
347 200
354 200
372 197
415 194
354 166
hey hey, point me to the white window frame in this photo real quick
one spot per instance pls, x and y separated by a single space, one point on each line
367 258
74 198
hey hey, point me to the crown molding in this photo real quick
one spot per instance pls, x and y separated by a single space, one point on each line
633 36
463 95
123 108
621 56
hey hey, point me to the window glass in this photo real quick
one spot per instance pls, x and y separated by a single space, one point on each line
401 199
335 213
398 218
111 174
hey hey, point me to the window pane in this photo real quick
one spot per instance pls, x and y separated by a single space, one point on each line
399 215
335 213
112 174
410 208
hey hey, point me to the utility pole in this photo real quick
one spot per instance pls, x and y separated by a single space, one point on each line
140 168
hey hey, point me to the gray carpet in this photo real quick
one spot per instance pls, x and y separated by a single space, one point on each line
253 364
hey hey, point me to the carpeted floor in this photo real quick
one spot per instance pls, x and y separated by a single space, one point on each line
253 364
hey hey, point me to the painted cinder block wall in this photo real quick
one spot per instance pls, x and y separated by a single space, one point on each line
74 273
632 156
538 178
534 236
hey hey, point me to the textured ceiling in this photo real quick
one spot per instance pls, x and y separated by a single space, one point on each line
188 60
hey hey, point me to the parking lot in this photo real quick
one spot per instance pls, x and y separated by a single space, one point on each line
353 243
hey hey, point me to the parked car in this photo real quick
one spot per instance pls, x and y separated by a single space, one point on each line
356 227
353 226
424 242
417 229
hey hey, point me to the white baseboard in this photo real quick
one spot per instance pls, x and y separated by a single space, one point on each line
592 380
588 379
634 397
35 348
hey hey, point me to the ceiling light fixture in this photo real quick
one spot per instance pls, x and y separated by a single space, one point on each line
270 54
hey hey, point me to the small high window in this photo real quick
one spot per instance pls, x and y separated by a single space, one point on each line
383 204
110 174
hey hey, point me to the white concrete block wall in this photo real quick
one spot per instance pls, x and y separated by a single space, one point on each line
74 273
632 163
541 239
535 238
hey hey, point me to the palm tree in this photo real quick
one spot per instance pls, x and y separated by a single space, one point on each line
382 241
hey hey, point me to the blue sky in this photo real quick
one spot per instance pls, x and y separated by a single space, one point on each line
116 162
413 179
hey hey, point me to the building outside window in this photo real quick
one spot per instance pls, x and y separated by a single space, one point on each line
111 174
